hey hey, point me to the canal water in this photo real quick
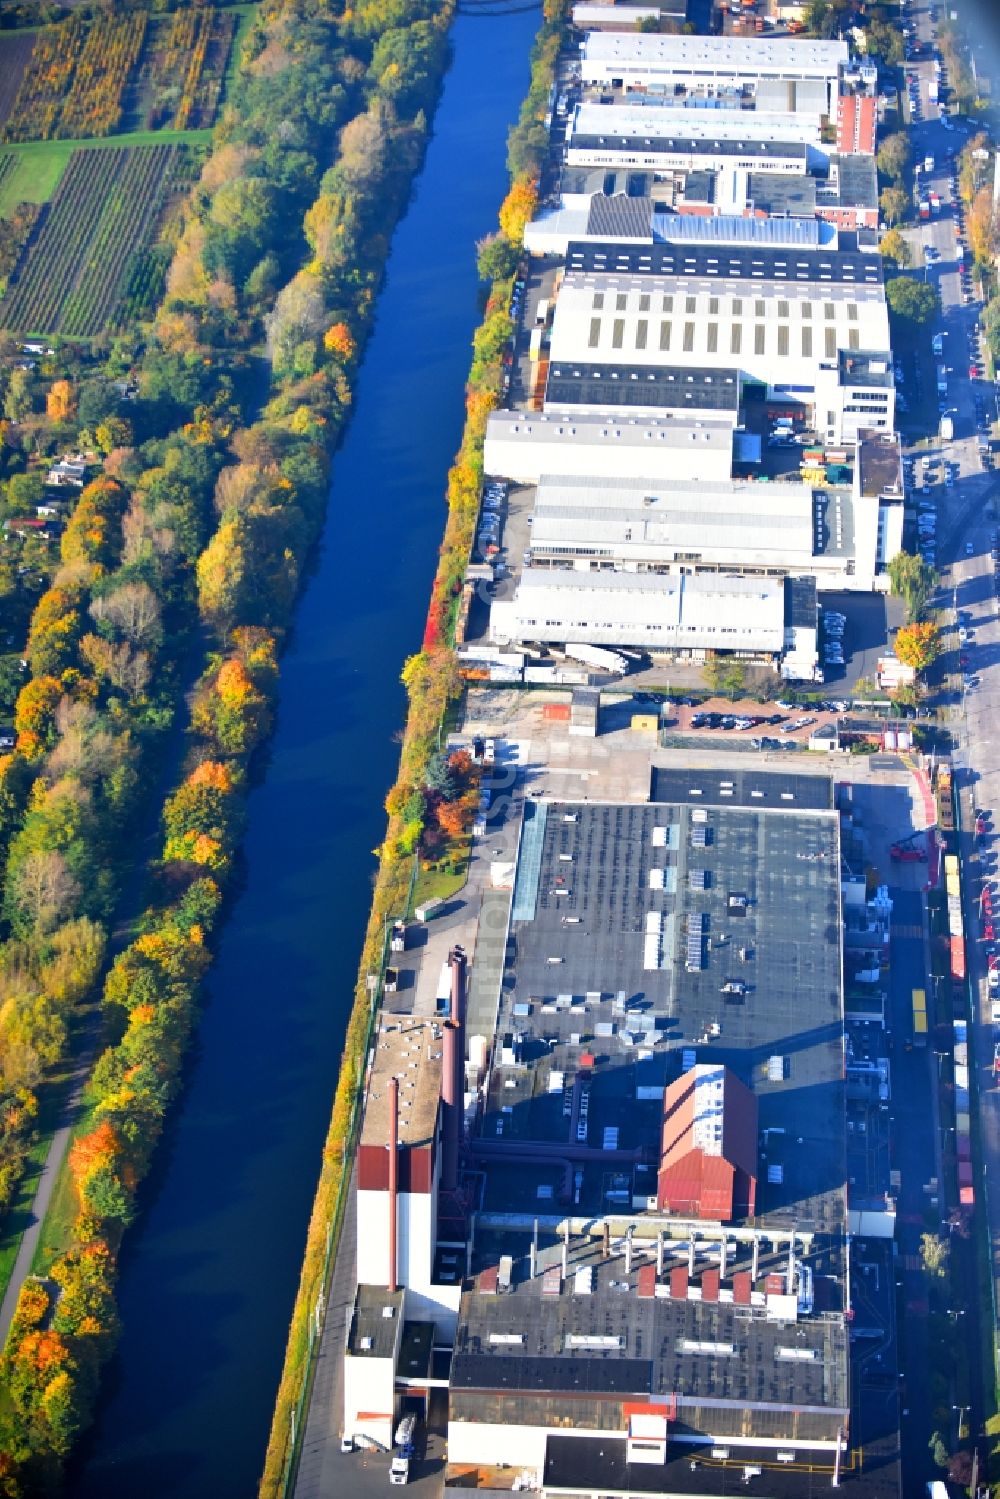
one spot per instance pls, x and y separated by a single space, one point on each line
209 1273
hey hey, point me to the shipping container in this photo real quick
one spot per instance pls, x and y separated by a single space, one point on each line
556 712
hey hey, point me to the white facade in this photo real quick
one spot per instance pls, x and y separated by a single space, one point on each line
416 1223
489 1445
524 446
653 611
416 1246
615 17
674 526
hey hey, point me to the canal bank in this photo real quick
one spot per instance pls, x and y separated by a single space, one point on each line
209 1275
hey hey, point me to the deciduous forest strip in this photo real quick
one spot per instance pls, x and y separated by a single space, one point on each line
201 521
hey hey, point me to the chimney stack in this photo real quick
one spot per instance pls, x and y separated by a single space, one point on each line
393 1176
755 1266
659 1256
534 1251
628 1250
565 1251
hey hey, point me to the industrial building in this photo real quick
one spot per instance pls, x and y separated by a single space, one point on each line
657 138
525 446
710 66
808 326
728 205
663 614
835 533
658 1274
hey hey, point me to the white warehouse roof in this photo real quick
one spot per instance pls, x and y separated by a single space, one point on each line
658 612
778 333
749 56
740 522
659 121
525 445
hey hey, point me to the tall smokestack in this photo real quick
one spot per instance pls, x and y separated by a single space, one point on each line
790 1284
755 1267
691 1255
659 1255
565 1252
628 1250
534 1251
393 1175
723 1257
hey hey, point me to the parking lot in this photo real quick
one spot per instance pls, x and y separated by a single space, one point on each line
868 620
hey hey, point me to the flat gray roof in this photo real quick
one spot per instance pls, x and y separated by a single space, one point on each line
581 1013
575 981
676 387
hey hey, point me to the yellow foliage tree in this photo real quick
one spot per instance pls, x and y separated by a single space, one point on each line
60 402
518 207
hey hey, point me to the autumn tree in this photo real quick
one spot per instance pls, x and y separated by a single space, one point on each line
894 247
918 645
518 208
983 227
894 203
132 612
894 155
43 889
55 630
34 715
60 401
338 341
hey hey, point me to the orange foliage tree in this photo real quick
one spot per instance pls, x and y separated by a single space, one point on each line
518 207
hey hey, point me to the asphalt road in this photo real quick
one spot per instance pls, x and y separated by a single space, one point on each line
965 522
915 1154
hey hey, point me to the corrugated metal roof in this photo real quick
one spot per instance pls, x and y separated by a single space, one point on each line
733 229
620 217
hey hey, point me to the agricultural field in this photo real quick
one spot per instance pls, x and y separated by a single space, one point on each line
183 69
85 79
15 53
90 252
73 86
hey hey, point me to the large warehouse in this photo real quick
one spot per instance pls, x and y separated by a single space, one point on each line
659 613
660 139
809 325
659 1269
525 445
710 66
693 526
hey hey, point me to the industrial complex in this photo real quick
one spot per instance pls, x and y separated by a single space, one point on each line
622 1204
705 304
626 1104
